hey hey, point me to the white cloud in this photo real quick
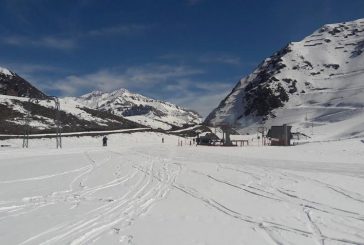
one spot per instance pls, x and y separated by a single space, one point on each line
21 69
177 84
206 58
124 30
203 103
67 41
202 97
221 58
140 77
46 41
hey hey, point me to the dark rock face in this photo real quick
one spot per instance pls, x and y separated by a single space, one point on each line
136 110
14 85
359 49
265 93
7 127
333 66
263 99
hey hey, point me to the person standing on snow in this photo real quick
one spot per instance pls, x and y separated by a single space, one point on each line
104 141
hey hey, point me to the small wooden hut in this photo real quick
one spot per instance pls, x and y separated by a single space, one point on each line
280 135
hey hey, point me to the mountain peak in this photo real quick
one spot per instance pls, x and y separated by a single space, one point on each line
319 77
14 85
120 91
139 108
92 94
6 72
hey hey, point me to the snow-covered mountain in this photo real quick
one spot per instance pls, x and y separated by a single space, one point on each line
74 117
95 111
140 109
12 84
315 84
15 108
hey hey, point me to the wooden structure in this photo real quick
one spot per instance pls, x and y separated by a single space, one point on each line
240 142
227 131
226 137
280 135
207 139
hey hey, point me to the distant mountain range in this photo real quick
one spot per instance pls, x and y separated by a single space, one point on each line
316 85
317 82
138 108
96 111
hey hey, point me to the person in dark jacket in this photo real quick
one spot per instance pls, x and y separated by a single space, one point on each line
104 141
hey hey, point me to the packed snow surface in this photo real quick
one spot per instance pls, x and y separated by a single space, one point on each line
140 191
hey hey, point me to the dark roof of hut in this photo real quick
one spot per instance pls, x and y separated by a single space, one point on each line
277 132
211 136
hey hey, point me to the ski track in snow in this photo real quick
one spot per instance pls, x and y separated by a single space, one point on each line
138 179
269 227
116 213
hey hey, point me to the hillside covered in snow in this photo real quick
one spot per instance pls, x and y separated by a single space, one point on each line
15 108
317 82
138 108
96 111
74 117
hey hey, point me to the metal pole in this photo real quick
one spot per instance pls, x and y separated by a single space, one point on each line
57 121
26 131
26 136
27 122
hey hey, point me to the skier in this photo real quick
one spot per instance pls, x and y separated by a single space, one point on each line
162 140
197 140
104 141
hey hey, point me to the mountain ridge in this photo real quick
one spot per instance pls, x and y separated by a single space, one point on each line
310 81
78 115
14 85
139 108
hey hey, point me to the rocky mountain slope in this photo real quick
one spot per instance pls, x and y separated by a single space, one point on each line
96 111
13 84
15 107
74 117
140 109
315 83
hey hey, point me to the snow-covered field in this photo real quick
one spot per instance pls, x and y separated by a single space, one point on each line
140 191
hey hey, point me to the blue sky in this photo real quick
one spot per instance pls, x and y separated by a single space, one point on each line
190 52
